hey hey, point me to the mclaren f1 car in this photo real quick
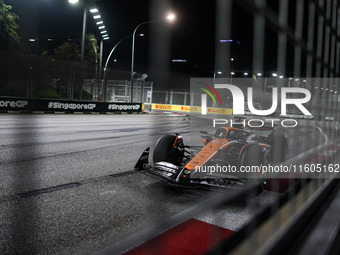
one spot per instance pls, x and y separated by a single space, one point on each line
228 148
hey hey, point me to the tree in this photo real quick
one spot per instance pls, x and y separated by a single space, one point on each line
70 51
67 51
9 38
91 49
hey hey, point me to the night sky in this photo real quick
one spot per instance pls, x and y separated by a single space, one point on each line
191 37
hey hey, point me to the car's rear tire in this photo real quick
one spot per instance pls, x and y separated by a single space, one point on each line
166 150
279 147
255 155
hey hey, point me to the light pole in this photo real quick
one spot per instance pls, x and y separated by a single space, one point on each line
83 35
231 77
171 17
82 54
215 76
231 70
113 49
107 62
96 69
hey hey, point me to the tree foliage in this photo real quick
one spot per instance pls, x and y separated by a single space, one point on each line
70 51
9 38
67 51
91 49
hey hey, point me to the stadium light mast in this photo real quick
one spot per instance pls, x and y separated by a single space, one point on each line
99 22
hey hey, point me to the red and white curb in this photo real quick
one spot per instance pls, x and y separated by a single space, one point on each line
191 237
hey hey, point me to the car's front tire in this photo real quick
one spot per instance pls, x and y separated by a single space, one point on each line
169 148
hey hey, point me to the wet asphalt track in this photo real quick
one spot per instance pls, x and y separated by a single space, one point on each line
66 185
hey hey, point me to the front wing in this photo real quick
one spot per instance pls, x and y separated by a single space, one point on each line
179 176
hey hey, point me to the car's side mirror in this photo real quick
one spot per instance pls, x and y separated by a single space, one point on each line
203 132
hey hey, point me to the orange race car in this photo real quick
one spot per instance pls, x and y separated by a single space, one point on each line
230 158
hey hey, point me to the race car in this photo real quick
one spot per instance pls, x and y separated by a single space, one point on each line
229 148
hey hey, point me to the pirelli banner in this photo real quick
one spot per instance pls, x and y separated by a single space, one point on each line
56 105
185 108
